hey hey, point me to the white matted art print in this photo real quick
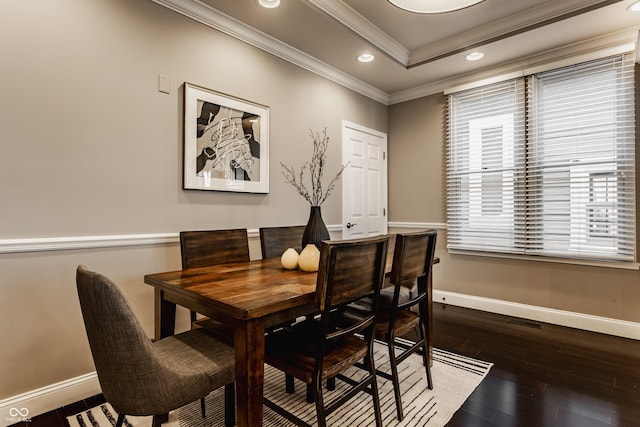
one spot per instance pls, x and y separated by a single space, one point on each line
226 142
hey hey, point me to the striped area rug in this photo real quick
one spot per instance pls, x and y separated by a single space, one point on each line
454 377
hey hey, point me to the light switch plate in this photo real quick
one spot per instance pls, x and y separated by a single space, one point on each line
164 83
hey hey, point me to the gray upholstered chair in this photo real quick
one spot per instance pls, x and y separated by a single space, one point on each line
140 377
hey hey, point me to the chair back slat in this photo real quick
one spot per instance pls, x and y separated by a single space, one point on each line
275 240
413 256
349 270
211 247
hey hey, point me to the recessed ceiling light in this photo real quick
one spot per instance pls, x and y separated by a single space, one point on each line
270 4
366 57
634 7
433 6
474 56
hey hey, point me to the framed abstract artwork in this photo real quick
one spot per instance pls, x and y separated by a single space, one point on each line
226 142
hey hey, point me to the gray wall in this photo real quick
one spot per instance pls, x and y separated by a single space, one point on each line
90 148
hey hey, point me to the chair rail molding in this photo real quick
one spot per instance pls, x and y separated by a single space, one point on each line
418 225
43 244
66 243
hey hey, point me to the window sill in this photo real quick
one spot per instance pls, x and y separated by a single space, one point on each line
583 262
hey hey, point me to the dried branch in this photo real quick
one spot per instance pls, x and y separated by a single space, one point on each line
316 171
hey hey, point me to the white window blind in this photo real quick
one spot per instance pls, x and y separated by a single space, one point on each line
562 186
486 167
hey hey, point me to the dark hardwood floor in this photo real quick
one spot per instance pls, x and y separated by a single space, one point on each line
543 375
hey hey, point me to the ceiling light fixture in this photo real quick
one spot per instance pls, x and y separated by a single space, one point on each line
474 56
634 7
269 4
366 57
433 6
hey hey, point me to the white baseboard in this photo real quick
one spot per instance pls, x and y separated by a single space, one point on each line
27 405
570 319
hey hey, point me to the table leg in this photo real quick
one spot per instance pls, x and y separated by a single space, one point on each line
165 316
249 346
429 336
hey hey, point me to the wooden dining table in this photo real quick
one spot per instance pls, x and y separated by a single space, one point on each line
251 296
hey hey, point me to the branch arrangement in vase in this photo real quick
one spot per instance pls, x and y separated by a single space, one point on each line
316 166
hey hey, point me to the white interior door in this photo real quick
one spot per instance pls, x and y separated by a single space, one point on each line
364 182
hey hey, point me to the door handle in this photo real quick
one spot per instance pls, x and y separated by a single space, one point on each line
349 225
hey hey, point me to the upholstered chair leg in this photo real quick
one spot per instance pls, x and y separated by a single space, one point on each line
157 421
230 405
202 408
331 384
120 420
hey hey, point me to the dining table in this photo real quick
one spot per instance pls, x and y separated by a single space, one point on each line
250 296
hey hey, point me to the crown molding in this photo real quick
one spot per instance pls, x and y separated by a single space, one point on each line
357 23
574 53
530 19
217 20
541 15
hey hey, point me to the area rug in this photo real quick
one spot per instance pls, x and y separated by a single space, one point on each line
454 377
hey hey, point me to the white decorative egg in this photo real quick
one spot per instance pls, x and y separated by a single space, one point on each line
309 258
289 259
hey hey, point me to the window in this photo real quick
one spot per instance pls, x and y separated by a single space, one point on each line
544 164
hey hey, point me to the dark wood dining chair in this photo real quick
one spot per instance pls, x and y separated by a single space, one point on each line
201 248
210 247
275 240
140 377
407 310
326 346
